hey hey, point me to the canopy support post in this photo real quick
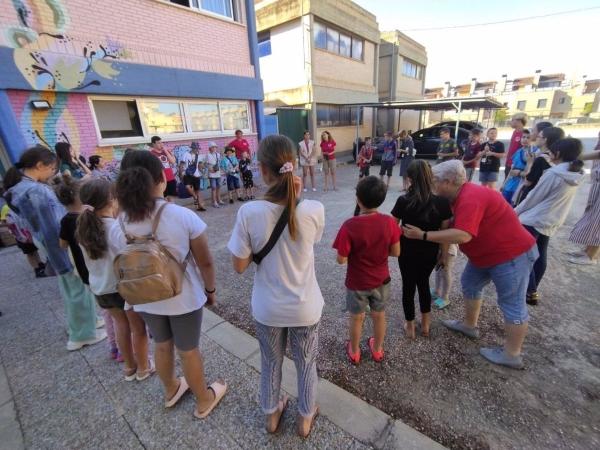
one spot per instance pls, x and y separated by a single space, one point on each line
458 110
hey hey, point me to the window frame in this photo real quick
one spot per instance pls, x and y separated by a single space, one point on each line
545 100
524 105
340 111
340 31
191 5
187 134
418 69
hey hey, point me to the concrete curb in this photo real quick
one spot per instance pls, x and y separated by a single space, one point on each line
11 436
353 415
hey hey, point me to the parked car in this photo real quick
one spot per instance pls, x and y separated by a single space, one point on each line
466 124
427 140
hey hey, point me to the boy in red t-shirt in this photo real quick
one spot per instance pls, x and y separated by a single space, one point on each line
365 242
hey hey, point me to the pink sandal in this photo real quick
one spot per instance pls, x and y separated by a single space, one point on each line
219 389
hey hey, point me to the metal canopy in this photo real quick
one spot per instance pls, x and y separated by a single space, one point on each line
436 105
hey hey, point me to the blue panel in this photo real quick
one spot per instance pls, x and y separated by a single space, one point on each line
10 133
271 126
147 80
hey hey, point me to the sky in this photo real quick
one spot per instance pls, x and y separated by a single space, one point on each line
566 43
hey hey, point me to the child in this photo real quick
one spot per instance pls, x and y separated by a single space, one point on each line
489 163
247 177
443 278
420 208
37 204
365 242
519 165
365 156
231 167
93 226
472 150
18 228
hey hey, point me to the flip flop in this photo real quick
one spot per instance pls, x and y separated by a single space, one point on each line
310 427
182 389
219 390
284 402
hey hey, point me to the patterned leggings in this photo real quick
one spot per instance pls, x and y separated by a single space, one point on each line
304 343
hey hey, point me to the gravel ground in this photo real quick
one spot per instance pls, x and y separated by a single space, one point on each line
440 385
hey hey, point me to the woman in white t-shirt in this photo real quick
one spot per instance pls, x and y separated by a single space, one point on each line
286 299
174 322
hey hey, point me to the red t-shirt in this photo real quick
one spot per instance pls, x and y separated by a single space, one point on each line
515 144
169 174
328 148
498 236
241 146
366 240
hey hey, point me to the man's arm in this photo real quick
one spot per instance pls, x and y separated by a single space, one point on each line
449 236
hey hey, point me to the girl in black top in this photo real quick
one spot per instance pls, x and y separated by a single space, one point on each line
419 207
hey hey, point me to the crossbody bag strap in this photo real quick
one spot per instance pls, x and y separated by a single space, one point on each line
275 235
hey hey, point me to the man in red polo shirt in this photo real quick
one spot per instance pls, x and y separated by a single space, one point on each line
240 144
518 122
168 161
499 249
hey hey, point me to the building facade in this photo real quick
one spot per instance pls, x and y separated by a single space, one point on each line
316 56
551 97
108 75
402 69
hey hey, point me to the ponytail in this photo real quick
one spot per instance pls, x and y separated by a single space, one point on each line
28 160
95 194
276 153
568 150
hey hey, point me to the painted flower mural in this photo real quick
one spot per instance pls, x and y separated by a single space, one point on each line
40 51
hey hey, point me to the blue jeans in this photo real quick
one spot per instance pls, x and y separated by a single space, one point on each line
539 268
510 278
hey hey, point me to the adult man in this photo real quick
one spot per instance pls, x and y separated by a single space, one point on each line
191 178
389 157
499 249
447 149
518 122
212 160
240 144
167 159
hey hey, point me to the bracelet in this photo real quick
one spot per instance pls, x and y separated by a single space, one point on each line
210 291
425 235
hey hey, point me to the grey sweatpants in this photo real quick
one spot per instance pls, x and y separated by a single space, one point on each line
304 343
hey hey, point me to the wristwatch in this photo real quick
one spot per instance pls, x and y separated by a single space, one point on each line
425 235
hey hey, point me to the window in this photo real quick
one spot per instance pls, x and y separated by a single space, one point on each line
521 105
412 69
562 100
338 116
357 48
234 116
203 117
220 7
541 103
264 44
162 118
345 45
331 39
320 36
117 119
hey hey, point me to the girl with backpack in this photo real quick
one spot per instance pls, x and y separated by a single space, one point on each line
36 203
174 322
93 225
286 299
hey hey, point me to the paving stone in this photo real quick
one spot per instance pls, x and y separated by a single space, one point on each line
233 340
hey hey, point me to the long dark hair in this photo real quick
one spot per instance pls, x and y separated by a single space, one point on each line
140 172
552 135
91 233
420 192
273 152
66 189
28 160
63 151
568 150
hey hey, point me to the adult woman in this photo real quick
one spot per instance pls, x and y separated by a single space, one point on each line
174 322
504 258
37 204
308 159
286 299
407 156
546 207
328 152
587 230
419 207
99 169
68 162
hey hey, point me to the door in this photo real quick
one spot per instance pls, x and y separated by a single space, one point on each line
292 123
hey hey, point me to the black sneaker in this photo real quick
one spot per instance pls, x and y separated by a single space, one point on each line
532 299
40 272
240 199
231 201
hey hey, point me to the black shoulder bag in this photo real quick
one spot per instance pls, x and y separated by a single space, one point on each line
275 235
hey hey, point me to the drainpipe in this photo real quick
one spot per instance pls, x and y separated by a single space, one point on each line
10 132
254 60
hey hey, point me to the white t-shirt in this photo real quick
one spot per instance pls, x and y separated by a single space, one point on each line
189 160
285 292
177 227
212 160
102 276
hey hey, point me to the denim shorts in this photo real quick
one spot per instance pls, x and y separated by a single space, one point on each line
215 183
375 299
488 177
510 278
233 183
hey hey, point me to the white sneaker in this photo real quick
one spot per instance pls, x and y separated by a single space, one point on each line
583 260
100 336
305 190
314 190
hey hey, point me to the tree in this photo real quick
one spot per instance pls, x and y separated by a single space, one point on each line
501 116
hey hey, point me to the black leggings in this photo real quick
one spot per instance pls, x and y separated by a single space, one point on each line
415 270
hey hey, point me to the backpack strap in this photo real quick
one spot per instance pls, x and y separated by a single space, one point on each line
157 219
155 223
